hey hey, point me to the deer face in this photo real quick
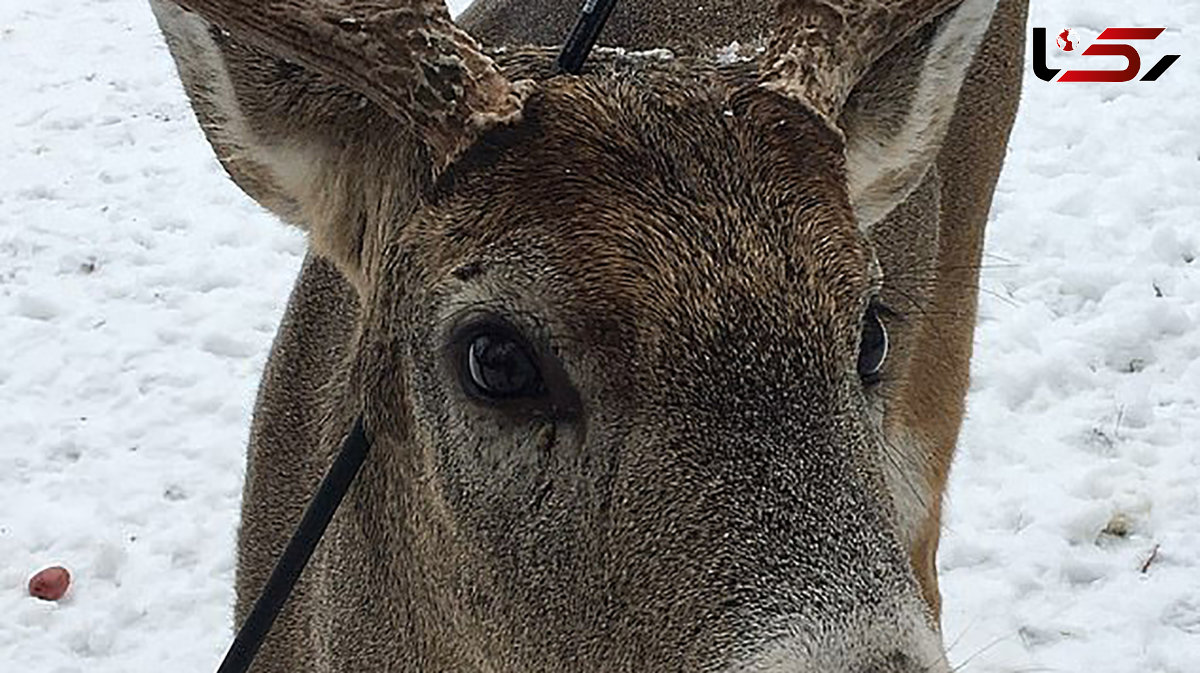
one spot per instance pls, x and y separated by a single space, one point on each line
623 340
625 349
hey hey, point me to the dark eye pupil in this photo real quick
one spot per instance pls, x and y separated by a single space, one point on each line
499 367
872 351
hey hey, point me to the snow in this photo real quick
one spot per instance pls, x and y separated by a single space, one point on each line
140 291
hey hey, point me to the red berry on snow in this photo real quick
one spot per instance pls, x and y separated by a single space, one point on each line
50 584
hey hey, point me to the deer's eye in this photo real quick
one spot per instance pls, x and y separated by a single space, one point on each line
873 348
499 366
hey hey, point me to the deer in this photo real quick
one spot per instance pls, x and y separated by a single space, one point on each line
663 362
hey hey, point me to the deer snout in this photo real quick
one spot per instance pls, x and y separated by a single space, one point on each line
901 642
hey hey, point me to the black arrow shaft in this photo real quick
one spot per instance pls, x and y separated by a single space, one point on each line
583 37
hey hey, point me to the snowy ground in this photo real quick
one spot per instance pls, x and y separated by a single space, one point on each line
139 292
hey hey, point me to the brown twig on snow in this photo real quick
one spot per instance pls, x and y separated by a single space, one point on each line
1153 556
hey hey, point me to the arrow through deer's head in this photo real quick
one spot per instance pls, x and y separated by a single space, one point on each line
664 363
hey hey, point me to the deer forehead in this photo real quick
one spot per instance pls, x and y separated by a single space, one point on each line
674 197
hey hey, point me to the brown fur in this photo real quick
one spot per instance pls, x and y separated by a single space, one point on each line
710 488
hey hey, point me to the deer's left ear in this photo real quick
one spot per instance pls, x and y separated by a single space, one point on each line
899 111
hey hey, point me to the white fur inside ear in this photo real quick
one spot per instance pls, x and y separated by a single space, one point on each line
886 164
251 163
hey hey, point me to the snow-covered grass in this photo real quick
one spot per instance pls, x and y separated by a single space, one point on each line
1073 536
139 292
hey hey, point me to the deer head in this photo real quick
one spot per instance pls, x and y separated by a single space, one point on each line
643 394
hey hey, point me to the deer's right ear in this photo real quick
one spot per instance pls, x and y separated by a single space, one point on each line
279 151
327 114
